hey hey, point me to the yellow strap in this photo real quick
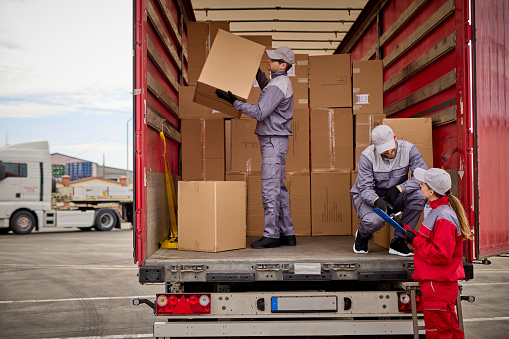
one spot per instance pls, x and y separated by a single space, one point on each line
170 190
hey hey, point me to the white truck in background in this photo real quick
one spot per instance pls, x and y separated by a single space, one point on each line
29 199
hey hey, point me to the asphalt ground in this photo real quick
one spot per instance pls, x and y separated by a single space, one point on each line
66 283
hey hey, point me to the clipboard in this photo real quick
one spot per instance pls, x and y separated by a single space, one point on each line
391 222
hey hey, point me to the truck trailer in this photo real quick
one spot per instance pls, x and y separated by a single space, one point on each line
443 59
28 192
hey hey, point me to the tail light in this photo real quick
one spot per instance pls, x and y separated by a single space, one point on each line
404 302
182 304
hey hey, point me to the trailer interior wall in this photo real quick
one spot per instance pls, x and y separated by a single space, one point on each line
491 27
422 44
160 62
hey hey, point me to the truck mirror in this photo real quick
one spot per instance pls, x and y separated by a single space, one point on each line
2 171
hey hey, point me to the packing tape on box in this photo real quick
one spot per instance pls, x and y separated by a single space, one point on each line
332 140
204 165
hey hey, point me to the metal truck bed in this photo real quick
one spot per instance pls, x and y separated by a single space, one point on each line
314 258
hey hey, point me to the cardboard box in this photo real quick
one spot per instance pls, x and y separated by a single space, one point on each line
203 149
300 69
297 159
299 189
364 124
255 213
265 40
331 139
245 147
331 212
367 86
330 81
300 88
188 109
200 36
416 130
355 217
221 223
231 65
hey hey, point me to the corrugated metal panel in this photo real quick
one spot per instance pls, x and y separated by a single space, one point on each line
492 94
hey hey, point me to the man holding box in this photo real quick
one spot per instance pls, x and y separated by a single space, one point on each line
274 115
383 182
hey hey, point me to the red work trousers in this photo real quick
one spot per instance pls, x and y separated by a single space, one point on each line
439 301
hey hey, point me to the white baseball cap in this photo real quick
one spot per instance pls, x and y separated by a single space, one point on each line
282 53
383 138
436 178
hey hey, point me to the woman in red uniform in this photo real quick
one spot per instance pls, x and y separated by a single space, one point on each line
438 253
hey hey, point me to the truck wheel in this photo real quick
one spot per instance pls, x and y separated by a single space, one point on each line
22 222
105 220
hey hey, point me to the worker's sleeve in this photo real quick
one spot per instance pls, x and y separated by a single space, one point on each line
366 181
261 78
416 161
267 103
439 250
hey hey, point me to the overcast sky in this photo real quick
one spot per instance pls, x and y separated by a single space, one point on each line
66 76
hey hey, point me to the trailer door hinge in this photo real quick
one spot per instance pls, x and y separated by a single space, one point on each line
136 91
470 141
468 32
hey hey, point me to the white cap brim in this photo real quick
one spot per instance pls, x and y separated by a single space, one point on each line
419 174
385 147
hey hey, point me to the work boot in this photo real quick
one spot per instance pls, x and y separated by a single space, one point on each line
361 243
266 243
287 240
399 247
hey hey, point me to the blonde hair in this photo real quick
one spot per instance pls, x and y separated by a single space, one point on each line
457 207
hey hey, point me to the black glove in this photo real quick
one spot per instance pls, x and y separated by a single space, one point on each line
409 236
226 96
383 205
392 194
398 220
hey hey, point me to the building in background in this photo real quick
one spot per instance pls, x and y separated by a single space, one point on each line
79 169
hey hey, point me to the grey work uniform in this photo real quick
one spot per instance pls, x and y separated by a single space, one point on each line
274 114
377 174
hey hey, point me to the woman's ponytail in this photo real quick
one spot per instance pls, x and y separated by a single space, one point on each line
457 207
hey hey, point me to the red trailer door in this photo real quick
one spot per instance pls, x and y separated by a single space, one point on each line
160 59
491 125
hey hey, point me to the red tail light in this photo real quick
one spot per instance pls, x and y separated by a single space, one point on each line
182 304
404 302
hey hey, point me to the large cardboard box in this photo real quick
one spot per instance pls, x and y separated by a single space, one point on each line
231 65
416 130
245 148
297 159
330 81
331 139
220 224
188 109
255 213
203 149
300 87
331 212
300 69
364 124
200 37
299 187
367 86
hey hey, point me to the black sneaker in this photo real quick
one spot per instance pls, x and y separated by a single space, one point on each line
266 243
287 240
399 247
361 243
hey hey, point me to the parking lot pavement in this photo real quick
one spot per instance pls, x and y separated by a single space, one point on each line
73 284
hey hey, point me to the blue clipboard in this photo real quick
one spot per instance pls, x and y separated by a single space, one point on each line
391 222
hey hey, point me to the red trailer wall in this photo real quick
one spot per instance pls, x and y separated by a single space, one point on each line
492 115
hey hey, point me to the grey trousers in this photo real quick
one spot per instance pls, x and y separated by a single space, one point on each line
411 204
276 204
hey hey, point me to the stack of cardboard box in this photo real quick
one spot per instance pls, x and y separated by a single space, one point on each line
336 105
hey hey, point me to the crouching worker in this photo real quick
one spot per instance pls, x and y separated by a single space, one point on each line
383 182
439 253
